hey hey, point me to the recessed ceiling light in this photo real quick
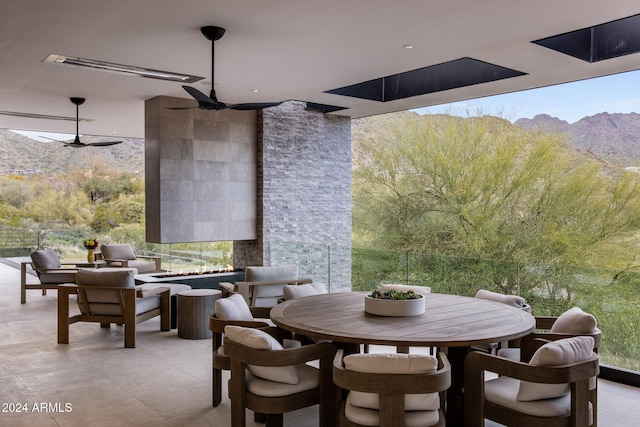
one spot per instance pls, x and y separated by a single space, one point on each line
255 90
119 68
408 46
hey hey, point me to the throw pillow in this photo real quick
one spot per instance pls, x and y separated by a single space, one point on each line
299 291
560 352
233 307
575 321
513 300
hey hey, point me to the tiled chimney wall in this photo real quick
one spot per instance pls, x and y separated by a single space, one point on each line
304 195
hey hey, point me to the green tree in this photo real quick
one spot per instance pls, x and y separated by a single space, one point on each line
483 188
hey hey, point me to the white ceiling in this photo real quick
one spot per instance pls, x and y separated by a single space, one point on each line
288 49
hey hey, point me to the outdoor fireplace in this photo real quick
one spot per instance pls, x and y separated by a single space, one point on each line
198 279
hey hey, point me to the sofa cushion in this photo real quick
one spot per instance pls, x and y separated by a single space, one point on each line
57 277
513 300
574 321
234 307
261 340
561 352
45 258
117 251
299 291
393 363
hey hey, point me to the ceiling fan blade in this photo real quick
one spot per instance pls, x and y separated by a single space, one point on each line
204 101
103 144
253 105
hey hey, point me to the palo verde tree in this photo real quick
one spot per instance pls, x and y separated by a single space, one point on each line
481 187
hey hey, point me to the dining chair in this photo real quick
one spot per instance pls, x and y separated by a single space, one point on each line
391 389
555 388
272 380
109 295
512 300
49 270
573 322
232 310
262 286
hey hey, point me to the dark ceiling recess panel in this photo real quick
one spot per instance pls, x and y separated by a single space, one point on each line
600 42
435 78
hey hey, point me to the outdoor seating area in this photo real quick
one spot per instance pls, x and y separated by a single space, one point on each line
37 369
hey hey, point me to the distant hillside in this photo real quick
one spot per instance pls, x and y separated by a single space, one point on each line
22 155
612 137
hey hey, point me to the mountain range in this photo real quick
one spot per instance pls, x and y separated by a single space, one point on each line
20 155
613 138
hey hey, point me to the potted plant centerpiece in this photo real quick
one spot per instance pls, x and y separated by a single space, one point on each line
394 303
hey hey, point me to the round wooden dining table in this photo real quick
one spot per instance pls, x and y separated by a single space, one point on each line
450 321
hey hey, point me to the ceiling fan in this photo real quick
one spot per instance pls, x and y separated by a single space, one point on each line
76 142
211 102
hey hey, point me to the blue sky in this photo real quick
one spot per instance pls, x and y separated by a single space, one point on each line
619 93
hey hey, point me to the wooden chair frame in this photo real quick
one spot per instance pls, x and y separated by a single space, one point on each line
24 286
220 362
274 407
127 299
392 389
576 375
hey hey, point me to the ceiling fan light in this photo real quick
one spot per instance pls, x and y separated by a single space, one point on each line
120 68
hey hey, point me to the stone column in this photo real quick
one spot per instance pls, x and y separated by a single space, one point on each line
304 195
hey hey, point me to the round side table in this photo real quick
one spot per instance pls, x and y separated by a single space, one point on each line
194 308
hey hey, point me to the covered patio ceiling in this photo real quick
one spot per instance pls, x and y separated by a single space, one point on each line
286 50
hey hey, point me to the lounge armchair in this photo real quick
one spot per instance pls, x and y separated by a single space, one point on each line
122 255
109 295
50 272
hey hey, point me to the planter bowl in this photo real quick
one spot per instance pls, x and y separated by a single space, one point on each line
391 307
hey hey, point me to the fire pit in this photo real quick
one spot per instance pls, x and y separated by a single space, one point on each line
198 279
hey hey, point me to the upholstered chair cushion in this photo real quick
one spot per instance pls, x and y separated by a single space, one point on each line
261 340
117 251
560 352
233 307
423 290
299 291
503 390
513 300
574 321
393 363
45 258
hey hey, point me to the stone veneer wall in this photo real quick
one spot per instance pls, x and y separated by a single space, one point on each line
304 195
200 173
